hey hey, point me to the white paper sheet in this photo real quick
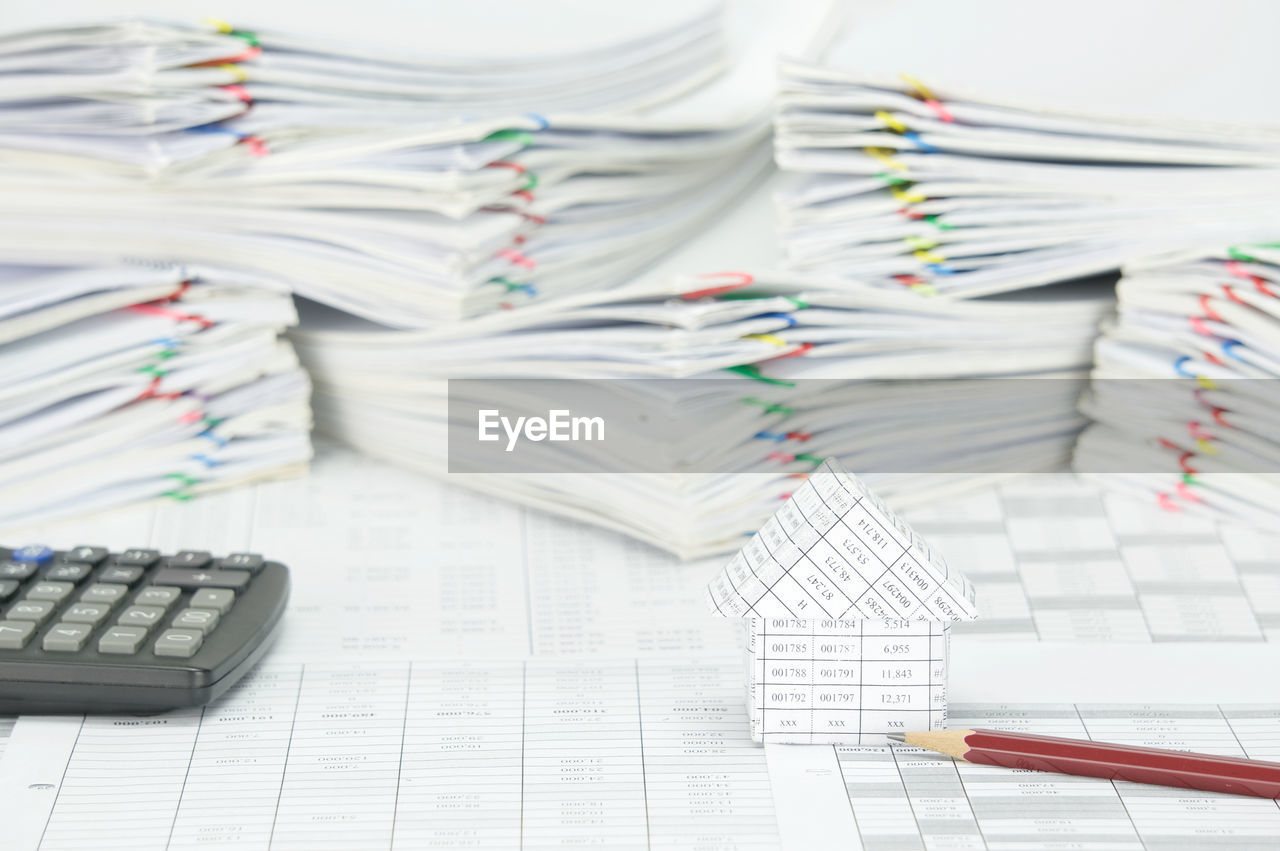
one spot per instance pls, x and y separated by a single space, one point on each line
622 753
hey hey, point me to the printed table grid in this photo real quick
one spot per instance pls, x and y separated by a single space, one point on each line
1055 559
908 799
866 691
430 755
856 565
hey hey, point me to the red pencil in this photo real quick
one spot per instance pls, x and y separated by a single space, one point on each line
1098 759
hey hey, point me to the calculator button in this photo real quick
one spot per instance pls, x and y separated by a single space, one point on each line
9 587
189 558
86 555
120 575
146 616
50 591
66 637
201 578
99 593
124 640
219 600
36 611
68 572
17 570
138 558
90 613
14 635
35 553
155 595
251 562
203 620
179 642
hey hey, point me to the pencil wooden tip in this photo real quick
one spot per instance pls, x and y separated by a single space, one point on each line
949 742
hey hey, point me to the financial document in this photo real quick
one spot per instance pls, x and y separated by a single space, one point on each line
623 754
627 754
1055 559
903 799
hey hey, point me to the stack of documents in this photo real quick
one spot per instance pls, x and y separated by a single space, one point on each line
906 185
476 170
129 383
776 371
1185 389
981 177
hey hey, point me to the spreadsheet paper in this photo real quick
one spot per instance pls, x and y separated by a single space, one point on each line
628 754
421 755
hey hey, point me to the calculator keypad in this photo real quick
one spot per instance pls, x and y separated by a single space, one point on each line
131 603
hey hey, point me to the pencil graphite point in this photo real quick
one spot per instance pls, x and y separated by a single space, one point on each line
896 737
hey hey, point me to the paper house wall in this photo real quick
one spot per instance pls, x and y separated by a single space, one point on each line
848 618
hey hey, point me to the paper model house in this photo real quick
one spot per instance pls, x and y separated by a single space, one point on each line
848 614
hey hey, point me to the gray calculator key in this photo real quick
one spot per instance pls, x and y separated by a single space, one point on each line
179 642
90 613
14 635
100 593
189 558
210 598
49 591
66 637
36 611
201 578
8 587
120 575
158 595
17 570
86 555
123 640
145 616
68 572
251 562
202 619
138 558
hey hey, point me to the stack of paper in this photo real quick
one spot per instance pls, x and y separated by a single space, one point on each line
784 364
480 169
913 186
1185 388
979 177
129 383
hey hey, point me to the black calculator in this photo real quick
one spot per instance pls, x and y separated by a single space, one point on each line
87 630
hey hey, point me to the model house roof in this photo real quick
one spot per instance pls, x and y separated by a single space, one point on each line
835 550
